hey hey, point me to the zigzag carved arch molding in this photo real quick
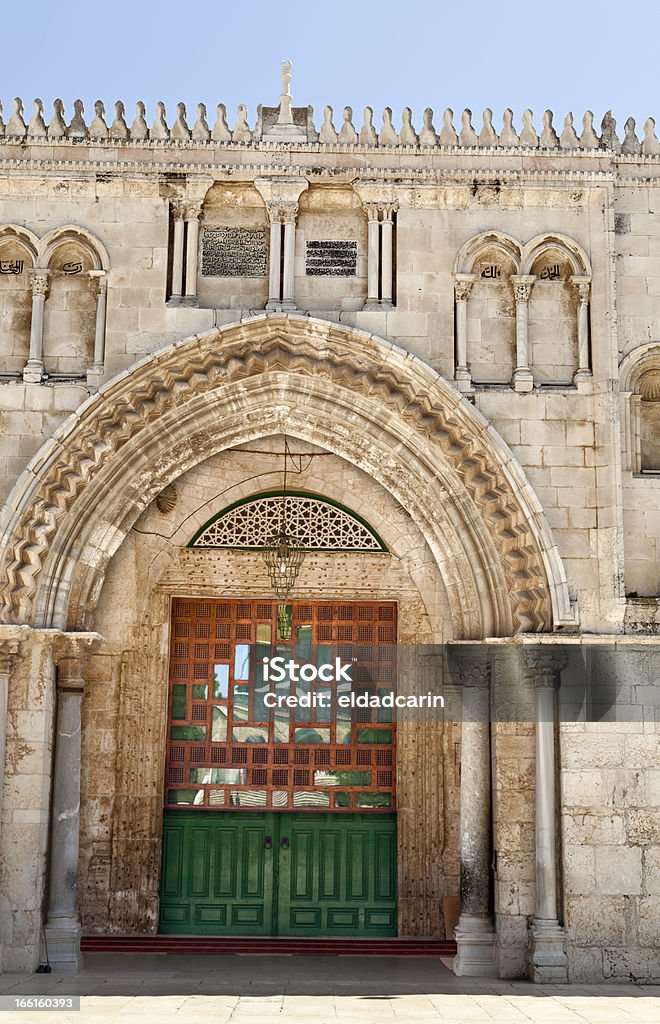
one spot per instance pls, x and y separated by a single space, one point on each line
357 395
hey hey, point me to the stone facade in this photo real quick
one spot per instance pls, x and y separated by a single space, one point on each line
463 329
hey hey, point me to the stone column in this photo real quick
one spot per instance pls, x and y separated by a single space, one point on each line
8 651
63 926
583 286
275 261
34 368
178 212
289 215
95 371
373 255
522 290
192 213
462 289
475 934
548 958
281 198
387 266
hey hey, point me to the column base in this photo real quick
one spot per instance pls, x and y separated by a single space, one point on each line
33 372
523 381
95 375
190 300
283 306
584 381
475 938
463 381
548 963
63 944
372 304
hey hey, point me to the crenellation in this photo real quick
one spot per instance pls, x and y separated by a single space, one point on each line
387 136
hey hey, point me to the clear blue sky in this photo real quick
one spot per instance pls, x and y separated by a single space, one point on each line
540 53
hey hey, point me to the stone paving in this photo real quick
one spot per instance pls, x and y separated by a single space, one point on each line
154 988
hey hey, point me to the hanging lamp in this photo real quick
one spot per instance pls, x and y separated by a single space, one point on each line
282 552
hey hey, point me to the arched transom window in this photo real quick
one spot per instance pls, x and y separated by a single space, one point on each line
316 523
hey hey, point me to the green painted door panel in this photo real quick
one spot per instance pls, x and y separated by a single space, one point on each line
217 874
278 874
337 875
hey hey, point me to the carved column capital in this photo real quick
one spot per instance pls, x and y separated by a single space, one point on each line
582 284
281 197
388 210
522 286
543 665
192 210
39 281
101 278
463 286
178 208
372 210
282 212
71 652
9 649
472 662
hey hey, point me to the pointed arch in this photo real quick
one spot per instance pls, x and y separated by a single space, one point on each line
359 396
94 248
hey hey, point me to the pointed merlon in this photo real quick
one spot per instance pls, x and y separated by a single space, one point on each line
468 136
367 131
328 134
221 131
347 133
488 135
37 126
448 136
407 136
387 135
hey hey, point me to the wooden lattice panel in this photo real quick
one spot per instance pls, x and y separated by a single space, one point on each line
228 751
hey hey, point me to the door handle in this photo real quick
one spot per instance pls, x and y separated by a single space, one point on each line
268 843
285 843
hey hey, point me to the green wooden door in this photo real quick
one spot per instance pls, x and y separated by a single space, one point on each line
337 874
278 874
217 874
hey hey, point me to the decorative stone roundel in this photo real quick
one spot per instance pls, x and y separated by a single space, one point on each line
315 523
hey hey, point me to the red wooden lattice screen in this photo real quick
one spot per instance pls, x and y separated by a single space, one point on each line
228 751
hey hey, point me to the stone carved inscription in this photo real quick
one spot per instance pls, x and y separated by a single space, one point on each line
233 252
336 258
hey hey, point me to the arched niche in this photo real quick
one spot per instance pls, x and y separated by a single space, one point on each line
491 317
552 323
558 309
77 263
18 255
331 276
233 248
640 396
649 427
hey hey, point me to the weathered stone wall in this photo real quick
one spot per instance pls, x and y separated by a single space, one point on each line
610 793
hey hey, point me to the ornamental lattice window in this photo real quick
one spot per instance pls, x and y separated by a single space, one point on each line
316 524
